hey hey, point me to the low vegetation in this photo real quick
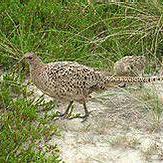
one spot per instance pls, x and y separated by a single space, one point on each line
23 130
96 35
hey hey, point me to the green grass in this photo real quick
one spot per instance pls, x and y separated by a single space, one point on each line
153 102
23 131
95 35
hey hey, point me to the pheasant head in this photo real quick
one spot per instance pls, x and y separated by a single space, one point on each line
33 59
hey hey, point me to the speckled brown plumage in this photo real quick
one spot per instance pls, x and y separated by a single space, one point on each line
130 66
70 81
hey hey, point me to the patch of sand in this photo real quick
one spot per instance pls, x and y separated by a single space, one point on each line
120 129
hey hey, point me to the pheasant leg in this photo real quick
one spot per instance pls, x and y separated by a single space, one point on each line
65 114
85 116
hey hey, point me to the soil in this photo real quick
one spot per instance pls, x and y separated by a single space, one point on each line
124 126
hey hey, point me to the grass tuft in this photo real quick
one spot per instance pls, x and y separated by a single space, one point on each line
22 128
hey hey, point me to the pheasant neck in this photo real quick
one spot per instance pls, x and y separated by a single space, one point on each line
37 65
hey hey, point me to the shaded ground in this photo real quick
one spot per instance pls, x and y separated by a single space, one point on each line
121 128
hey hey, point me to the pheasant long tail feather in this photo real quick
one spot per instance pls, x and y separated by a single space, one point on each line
119 79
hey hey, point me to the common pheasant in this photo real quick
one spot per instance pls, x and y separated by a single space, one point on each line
130 66
71 81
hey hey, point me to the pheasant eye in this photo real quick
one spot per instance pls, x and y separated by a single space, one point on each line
29 57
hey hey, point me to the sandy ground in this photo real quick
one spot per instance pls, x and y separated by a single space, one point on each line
122 128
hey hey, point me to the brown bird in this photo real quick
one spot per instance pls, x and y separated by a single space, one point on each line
130 66
71 81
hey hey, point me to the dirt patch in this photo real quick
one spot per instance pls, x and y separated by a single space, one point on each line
123 127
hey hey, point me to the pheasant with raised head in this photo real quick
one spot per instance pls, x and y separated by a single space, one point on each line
71 81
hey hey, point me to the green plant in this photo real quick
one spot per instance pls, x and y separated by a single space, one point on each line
22 128
95 35
153 103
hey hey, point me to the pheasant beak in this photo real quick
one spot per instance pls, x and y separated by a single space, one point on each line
28 56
